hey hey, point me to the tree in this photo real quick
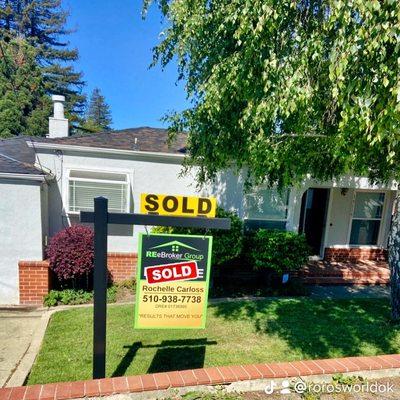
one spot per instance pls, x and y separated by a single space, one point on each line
42 24
289 88
98 116
24 105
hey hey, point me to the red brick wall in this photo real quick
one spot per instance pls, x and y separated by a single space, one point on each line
354 254
34 276
34 281
122 266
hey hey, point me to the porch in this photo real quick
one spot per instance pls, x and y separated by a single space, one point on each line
361 272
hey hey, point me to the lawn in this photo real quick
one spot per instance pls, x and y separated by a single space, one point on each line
237 333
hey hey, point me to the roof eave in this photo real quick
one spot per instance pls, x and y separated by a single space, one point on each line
29 177
102 150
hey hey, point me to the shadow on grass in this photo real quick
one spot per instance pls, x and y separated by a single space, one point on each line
321 328
127 359
171 355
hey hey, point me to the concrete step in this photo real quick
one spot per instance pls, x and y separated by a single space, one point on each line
351 280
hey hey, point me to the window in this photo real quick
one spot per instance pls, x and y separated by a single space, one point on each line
84 186
267 208
367 216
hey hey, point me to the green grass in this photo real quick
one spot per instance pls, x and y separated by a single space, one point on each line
237 333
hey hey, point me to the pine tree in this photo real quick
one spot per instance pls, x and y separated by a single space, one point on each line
24 105
42 24
98 116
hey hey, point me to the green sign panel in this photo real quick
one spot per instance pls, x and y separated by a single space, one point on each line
173 276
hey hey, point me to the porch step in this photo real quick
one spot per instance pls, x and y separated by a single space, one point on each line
342 273
332 280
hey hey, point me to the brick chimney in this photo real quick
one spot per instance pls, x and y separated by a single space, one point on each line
58 124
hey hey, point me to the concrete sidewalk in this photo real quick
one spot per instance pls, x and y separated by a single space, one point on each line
350 292
18 328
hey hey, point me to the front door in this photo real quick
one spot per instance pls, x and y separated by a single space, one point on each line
314 206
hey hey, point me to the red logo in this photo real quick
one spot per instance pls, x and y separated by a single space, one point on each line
172 272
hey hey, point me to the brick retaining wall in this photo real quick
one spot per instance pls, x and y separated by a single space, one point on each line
198 377
122 266
34 281
354 254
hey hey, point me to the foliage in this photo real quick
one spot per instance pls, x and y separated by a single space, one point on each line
24 106
112 294
67 296
280 251
287 88
98 116
42 24
230 285
127 284
347 380
76 296
227 245
219 394
71 253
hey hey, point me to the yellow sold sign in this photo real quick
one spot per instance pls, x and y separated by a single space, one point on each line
163 204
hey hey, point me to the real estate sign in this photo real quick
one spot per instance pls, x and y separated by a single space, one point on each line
173 275
167 204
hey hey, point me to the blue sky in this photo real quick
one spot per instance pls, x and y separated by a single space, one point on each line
115 45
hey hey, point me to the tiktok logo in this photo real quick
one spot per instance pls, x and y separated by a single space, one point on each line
269 389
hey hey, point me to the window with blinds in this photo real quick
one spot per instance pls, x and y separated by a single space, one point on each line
84 186
266 208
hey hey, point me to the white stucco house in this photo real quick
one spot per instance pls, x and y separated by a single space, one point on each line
46 181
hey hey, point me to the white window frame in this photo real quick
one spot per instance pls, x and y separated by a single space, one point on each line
382 219
246 212
97 171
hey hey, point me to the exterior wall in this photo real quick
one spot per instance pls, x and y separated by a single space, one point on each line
122 266
162 176
340 217
34 281
145 176
35 276
21 232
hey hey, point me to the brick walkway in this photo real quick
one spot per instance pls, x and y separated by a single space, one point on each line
196 377
363 272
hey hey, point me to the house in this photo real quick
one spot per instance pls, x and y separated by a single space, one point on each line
46 181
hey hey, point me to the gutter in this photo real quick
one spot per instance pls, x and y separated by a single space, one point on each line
88 149
29 177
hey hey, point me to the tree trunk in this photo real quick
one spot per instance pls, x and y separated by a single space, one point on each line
394 260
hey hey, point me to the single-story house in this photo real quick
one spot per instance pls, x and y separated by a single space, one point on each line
46 181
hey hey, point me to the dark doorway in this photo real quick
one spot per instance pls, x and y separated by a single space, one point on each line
314 206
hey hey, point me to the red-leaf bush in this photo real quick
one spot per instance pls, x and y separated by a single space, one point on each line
71 253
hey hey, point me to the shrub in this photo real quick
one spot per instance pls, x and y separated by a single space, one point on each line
227 245
71 253
67 296
280 251
112 294
73 297
129 284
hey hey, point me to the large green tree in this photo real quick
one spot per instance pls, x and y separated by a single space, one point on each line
43 24
24 105
98 116
288 88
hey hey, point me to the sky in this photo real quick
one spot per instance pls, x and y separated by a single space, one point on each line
115 51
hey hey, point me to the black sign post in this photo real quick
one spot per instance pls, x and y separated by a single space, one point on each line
101 218
100 287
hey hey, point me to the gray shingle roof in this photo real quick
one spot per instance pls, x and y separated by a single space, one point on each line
141 139
18 149
11 166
